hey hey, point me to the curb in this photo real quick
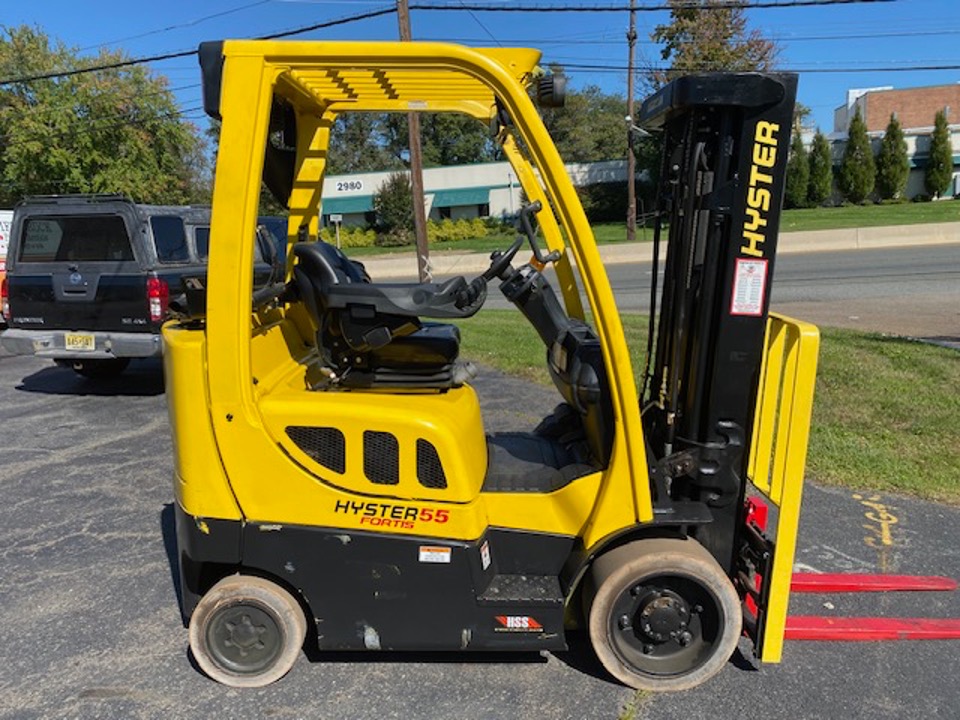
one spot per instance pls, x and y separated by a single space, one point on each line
449 262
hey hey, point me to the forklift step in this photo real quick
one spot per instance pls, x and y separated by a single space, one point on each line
523 589
857 582
810 627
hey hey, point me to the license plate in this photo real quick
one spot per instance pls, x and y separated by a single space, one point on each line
72 341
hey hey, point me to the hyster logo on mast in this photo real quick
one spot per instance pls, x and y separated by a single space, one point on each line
759 194
517 623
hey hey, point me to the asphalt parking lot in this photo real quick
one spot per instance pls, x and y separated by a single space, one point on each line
92 628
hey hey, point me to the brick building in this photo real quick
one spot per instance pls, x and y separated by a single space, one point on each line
915 108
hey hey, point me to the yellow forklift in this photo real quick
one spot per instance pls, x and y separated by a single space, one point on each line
333 475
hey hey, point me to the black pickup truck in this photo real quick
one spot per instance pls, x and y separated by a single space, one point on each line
91 278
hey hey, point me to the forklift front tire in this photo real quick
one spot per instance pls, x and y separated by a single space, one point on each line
663 615
247 631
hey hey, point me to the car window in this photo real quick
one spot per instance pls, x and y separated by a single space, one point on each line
170 238
201 238
75 237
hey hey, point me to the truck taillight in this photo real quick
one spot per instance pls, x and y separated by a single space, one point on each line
5 300
158 298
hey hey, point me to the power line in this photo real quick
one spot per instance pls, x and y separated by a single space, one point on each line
484 27
189 53
331 23
705 68
731 5
539 42
188 23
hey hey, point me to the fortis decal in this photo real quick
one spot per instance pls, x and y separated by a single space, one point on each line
759 194
389 515
516 623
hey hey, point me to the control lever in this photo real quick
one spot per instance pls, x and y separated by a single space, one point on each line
525 213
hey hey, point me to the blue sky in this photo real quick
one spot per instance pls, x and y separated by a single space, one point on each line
830 46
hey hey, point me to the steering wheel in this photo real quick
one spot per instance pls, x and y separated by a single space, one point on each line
500 260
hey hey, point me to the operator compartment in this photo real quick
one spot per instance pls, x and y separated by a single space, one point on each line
357 386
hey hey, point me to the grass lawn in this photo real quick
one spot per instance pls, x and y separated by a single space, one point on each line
870 216
886 415
791 221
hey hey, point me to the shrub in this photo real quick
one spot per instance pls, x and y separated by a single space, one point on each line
395 238
445 231
350 237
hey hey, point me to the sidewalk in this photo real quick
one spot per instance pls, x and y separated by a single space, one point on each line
448 262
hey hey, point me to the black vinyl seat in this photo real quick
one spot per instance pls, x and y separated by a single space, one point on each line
371 334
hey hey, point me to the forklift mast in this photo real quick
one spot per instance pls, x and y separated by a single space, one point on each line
722 174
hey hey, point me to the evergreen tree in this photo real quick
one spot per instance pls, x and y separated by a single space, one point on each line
893 165
821 171
857 169
798 173
940 162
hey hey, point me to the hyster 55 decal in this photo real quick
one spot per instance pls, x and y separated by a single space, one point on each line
390 515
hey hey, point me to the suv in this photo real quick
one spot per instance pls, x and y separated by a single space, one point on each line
91 278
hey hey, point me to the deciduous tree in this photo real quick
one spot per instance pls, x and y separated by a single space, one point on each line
114 130
590 127
393 205
706 35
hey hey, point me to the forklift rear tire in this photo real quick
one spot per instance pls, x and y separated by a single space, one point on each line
663 614
247 631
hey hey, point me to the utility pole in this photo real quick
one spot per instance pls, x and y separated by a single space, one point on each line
631 158
416 165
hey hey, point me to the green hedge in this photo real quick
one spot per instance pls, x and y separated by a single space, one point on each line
349 236
452 230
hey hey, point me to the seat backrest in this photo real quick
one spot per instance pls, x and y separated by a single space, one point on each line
327 265
319 267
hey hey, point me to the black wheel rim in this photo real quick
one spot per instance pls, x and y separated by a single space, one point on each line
244 638
665 626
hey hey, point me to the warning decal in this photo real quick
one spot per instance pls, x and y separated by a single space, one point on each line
749 287
432 554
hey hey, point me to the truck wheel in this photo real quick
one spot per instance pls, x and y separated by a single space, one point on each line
247 631
663 615
96 369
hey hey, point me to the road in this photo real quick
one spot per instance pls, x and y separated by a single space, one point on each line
912 291
92 627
